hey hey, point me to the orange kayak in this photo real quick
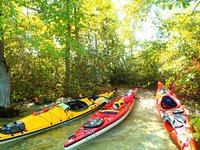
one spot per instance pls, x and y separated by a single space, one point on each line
174 117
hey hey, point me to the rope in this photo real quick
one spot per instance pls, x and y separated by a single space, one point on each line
55 115
60 114
45 119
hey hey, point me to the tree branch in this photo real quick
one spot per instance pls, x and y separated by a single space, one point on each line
195 7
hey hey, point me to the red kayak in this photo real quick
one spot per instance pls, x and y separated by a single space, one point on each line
174 118
103 120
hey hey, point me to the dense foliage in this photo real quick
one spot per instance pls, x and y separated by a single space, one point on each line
67 48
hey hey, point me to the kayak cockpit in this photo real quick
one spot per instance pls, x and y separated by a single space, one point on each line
93 123
77 105
168 103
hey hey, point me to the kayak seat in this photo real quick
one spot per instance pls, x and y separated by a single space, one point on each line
168 103
77 105
13 127
93 123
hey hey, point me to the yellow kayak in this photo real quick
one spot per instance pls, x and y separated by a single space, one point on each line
51 117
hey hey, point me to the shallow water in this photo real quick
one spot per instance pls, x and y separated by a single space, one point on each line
141 130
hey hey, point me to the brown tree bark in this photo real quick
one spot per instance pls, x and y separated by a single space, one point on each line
4 76
67 54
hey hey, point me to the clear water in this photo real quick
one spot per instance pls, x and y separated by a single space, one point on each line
141 130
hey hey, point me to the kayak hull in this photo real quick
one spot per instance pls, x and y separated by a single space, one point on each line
50 118
23 136
97 133
110 117
175 118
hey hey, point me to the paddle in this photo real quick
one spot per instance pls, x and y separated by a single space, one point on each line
100 100
103 103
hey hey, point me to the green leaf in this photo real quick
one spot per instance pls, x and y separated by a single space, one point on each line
185 4
196 136
170 6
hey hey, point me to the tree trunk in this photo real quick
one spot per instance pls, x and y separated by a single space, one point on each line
67 54
95 62
4 76
67 73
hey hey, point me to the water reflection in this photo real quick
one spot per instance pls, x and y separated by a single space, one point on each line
141 130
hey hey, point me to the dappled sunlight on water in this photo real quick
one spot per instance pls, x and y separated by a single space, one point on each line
147 104
141 130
